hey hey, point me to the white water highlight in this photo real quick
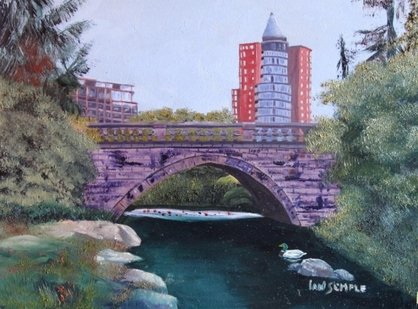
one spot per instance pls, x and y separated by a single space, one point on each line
190 215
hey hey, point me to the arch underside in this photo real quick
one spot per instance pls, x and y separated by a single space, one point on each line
271 200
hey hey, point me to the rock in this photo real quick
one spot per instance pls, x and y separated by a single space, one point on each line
316 268
342 274
145 280
112 256
294 266
24 242
120 234
148 299
320 268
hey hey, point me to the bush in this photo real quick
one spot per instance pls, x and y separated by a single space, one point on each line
374 140
41 156
48 211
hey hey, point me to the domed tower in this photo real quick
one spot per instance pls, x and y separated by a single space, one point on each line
273 93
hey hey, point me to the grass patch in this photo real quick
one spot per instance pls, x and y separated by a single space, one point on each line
54 273
48 212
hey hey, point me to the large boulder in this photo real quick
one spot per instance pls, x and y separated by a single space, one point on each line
320 268
21 241
316 268
118 234
149 299
28 243
145 280
111 256
342 274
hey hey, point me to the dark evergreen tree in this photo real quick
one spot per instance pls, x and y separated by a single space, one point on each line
346 57
40 47
382 42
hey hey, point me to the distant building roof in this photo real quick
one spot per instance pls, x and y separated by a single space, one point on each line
272 31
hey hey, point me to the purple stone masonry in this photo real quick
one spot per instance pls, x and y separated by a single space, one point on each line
284 179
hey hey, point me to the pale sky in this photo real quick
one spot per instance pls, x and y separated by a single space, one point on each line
184 53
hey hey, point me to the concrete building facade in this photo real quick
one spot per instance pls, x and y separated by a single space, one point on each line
106 101
273 94
274 80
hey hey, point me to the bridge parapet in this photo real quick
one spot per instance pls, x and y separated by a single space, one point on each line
201 132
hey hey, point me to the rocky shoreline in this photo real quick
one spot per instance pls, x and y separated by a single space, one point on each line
146 290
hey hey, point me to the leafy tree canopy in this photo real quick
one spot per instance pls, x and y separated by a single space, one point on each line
167 114
382 41
40 47
41 156
374 138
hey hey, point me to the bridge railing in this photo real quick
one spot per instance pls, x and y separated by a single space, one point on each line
200 132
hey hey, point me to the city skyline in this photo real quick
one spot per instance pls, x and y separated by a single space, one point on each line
184 54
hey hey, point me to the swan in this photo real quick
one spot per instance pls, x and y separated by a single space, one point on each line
290 254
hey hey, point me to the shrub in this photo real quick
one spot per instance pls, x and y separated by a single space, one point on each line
41 156
48 211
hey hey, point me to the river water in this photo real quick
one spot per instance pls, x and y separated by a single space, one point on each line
231 264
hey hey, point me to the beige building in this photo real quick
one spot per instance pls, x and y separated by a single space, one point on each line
106 101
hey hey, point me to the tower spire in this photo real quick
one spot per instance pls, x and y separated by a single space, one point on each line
272 31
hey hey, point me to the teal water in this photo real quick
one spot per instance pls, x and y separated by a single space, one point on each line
236 264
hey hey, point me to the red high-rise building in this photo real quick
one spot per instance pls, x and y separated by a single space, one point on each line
243 99
300 81
293 69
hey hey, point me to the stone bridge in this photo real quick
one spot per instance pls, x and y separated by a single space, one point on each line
271 162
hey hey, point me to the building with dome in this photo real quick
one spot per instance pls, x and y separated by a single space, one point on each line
274 80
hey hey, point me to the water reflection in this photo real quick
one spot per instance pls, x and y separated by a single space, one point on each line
236 264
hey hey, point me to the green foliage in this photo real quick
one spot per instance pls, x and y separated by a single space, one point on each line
40 47
57 274
48 211
346 57
80 125
41 156
382 41
204 186
410 38
237 196
166 114
374 139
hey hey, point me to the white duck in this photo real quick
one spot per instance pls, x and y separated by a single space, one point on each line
290 254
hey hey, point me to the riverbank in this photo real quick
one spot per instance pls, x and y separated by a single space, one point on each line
79 264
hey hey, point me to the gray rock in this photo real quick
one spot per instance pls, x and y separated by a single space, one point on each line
316 268
145 280
119 234
294 266
112 256
342 274
148 299
26 242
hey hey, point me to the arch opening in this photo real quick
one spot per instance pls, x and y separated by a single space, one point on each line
270 199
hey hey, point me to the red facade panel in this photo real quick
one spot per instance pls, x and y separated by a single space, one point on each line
249 77
300 79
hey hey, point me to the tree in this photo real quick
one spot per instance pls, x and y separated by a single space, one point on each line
382 41
374 140
63 81
410 38
36 38
167 114
346 57
41 157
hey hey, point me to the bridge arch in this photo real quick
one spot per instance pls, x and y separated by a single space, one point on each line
271 199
